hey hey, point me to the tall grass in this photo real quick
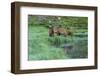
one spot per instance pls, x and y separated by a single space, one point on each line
39 46
58 40
43 47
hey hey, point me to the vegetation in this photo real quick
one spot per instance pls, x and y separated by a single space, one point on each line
43 47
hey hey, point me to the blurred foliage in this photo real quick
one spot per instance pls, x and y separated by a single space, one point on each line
65 21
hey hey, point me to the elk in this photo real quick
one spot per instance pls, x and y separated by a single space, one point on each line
58 30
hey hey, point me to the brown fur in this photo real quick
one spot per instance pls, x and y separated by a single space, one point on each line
56 31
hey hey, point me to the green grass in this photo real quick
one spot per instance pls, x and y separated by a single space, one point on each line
39 46
43 47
